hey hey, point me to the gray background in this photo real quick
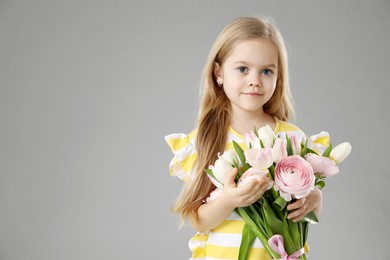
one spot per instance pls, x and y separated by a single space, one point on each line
90 88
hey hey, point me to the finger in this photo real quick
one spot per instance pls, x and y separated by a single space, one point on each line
249 188
230 178
296 215
262 188
297 204
299 217
259 191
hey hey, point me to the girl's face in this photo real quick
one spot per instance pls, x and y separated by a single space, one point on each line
249 75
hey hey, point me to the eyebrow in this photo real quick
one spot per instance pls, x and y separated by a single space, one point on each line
267 65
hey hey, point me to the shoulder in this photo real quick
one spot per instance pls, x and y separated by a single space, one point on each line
284 128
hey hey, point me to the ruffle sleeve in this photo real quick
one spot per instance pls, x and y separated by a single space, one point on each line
183 148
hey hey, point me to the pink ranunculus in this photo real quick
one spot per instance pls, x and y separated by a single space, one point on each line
259 158
279 150
294 177
322 165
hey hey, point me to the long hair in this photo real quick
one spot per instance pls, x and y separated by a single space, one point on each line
215 110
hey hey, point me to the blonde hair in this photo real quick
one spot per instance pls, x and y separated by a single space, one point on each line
214 112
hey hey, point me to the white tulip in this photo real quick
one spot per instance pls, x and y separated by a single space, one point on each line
221 168
340 152
266 135
252 140
230 156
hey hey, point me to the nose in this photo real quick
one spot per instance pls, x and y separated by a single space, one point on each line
254 81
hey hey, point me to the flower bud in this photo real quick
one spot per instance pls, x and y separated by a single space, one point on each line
221 169
279 150
266 135
340 152
230 156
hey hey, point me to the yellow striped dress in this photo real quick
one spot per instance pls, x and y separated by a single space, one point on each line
222 242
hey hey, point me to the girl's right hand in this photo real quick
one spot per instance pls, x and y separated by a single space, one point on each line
242 195
210 215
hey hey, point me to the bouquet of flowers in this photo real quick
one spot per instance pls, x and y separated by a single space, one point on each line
294 168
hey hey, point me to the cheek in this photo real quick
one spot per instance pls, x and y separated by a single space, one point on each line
231 78
271 84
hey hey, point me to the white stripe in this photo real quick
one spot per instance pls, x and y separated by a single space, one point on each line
233 137
229 240
184 152
301 136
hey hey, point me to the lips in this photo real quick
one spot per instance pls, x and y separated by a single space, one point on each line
252 94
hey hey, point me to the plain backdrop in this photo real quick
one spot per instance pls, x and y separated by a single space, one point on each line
89 89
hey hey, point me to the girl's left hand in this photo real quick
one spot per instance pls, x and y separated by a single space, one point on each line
301 207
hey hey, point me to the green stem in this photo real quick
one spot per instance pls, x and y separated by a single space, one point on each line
256 230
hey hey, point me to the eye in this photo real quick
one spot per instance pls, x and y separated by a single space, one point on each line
243 69
267 72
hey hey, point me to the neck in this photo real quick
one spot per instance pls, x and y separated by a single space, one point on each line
243 121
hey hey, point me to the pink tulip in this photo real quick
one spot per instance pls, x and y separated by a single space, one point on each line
250 174
296 144
279 150
259 158
322 165
294 177
252 140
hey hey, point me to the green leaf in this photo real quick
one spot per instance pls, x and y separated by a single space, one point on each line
308 150
304 149
320 184
255 131
327 151
259 219
261 144
248 237
279 203
289 146
275 193
210 172
239 172
264 240
311 218
293 228
279 227
304 230
241 155
271 170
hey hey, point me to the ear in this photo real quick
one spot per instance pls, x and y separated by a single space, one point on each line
217 72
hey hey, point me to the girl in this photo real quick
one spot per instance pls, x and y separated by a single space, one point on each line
245 84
